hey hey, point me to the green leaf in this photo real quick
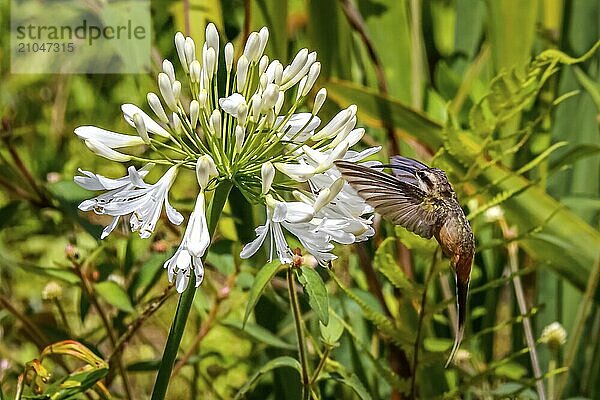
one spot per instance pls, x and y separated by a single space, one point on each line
263 277
331 332
275 363
385 263
352 381
316 290
258 333
114 295
575 154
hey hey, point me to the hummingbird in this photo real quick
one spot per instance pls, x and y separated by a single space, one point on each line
421 199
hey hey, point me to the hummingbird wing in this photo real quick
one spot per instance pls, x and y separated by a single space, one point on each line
397 198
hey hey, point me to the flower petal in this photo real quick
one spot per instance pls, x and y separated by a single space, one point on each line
107 138
129 110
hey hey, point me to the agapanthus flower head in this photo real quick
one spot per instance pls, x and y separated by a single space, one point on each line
275 155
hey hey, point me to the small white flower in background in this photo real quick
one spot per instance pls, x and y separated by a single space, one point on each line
554 335
279 158
493 214
52 291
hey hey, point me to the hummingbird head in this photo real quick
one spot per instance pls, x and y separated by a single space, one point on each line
434 181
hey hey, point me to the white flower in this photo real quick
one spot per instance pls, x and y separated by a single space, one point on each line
294 217
188 256
131 195
239 135
109 139
554 335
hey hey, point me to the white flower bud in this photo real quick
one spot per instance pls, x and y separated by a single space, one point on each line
166 90
271 70
334 126
242 114
262 65
177 127
493 214
336 187
156 106
252 48
205 170
337 153
103 150
215 122
319 100
202 98
211 61
169 70
267 173
313 74
322 199
291 70
239 137
270 119
176 90
310 59
264 81
140 127
194 112
180 46
212 37
190 50
264 38
228 56
256 103
242 71
278 74
195 70
269 97
301 86
279 102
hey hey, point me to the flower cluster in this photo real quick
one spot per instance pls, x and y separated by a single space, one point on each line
282 159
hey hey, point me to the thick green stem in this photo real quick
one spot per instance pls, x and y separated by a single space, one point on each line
185 302
299 331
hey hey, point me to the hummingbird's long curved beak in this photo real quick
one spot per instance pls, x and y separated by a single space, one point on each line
462 292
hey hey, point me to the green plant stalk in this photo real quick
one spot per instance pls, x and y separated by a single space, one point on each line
299 332
576 334
185 302
321 364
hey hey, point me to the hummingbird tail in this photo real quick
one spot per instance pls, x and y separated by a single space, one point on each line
462 290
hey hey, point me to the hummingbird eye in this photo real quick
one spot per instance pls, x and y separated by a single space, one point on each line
424 177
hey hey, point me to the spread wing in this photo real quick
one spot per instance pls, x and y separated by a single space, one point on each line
397 198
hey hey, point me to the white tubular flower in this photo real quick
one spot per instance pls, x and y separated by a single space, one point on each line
319 100
252 49
180 46
242 71
267 173
299 128
103 150
205 170
106 138
240 138
129 110
291 216
143 201
188 256
156 106
194 113
228 57
169 69
166 91
231 104
140 127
